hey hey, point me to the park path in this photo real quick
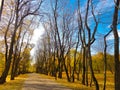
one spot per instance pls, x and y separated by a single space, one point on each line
37 82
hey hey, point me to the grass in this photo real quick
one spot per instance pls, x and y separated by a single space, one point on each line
78 86
109 82
13 84
74 86
18 82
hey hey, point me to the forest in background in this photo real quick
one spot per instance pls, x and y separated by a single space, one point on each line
19 19
76 44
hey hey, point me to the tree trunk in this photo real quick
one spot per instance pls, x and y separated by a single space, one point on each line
8 61
66 71
9 57
83 67
78 73
5 72
12 71
59 69
1 8
86 67
16 67
13 64
91 69
105 59
105 63
116 46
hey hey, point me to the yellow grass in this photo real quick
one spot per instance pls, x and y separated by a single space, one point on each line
78 86
109 82
13 84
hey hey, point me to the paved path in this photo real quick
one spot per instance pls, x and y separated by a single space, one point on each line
36 82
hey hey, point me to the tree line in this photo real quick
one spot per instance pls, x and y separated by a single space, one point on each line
67 44
18 20
69 38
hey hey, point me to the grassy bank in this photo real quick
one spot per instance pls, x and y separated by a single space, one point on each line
78 86
13 84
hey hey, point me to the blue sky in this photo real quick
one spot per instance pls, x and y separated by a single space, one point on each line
104 7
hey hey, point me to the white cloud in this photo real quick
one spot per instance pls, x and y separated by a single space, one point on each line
109 26
104 4
37 35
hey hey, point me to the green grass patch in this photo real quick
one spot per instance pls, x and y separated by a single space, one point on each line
13 84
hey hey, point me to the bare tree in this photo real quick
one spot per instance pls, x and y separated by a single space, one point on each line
116 45
21 11
86 43
62 40
25 32
82 38
105 58
60 34
91 39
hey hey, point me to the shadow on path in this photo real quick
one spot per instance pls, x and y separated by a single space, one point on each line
36 82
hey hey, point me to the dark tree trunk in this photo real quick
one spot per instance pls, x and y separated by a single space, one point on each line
1 8
5 72
91 69
9 57
74 67
12 71
59 69
66 71
83 67
54 69
116 46
78 73
105 63
86 67
105 59
13 64
16 68
8 60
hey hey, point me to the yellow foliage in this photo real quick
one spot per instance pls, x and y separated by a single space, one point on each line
2 62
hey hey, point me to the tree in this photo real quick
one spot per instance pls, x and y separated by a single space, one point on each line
20 10
116 45
105 58
75 60
91 39
59 28
63 36
22 43
82 38
87 37
1 8
24 64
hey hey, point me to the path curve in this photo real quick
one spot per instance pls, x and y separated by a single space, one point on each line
36 82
